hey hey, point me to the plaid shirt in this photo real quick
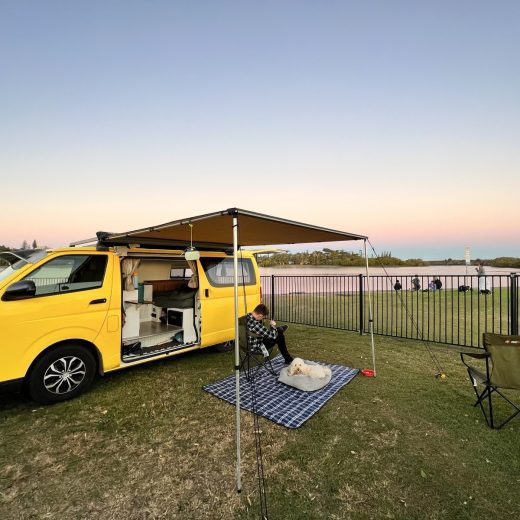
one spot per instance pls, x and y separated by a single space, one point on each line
257 327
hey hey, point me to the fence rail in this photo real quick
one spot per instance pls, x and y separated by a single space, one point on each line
455 310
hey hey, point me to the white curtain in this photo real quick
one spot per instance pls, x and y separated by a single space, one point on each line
129 266
194 280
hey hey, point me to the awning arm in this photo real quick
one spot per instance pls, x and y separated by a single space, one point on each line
370 314
237 354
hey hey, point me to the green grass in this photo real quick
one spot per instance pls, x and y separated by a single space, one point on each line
445 316
150 443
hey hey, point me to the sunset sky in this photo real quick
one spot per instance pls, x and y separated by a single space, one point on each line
399 120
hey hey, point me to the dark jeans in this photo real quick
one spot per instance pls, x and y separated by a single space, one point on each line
280 341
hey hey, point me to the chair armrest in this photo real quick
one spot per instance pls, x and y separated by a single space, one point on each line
482 355
474 372
474 355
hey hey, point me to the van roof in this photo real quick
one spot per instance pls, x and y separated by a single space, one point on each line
150 251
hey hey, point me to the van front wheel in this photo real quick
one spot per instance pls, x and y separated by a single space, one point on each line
61 374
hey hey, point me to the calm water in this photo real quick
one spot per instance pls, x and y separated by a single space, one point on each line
436 270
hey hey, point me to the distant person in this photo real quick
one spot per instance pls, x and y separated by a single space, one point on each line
416 283
481 273
432 286
397 285
438 283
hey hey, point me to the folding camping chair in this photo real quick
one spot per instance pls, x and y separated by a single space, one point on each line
502 371
253 360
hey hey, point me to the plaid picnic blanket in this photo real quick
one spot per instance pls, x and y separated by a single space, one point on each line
277 402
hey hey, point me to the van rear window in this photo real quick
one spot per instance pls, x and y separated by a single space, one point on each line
219 271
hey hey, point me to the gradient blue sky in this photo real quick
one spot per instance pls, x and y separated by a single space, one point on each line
399 120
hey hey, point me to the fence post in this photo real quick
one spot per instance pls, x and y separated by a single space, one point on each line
513 304
272 296
361 305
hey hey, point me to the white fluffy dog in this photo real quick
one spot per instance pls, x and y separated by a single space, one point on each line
299 367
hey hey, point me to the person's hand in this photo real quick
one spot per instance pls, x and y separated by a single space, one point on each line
273 323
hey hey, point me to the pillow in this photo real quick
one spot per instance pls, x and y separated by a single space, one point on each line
301 382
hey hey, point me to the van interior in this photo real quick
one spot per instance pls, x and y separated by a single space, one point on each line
161 307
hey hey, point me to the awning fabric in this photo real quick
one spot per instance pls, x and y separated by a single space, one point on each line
214 231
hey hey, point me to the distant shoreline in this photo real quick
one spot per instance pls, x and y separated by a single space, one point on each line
426 271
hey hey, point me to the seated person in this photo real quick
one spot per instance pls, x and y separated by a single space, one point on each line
269 336
397 285
432 286
416 284
438 283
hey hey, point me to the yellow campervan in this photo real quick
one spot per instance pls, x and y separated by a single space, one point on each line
67 314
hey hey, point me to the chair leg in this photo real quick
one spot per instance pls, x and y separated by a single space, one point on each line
487 395
252 365
511 416
269 367
245 366
249 367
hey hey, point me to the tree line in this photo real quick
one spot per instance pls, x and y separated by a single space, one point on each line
344 258
25 245
350 259
335 257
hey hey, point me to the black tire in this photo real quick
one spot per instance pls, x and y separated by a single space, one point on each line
228 346
61 374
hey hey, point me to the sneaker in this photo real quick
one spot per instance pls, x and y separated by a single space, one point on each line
134 348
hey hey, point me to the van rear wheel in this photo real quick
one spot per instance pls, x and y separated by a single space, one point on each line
61 374
225 347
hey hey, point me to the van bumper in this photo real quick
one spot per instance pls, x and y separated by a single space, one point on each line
11 386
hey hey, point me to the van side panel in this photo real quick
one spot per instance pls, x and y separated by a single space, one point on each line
93 314
108 341
30 326
217 307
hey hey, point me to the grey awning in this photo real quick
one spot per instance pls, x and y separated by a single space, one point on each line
214 231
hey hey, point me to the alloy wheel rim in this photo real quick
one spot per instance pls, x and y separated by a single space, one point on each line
64 375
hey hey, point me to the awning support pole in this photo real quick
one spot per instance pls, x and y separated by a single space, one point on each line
237 353
370 315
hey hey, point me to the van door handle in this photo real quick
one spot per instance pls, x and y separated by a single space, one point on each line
95 302
206 293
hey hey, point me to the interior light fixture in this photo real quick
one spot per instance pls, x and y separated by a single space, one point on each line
191 253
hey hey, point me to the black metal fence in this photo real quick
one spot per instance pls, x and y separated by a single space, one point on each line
446 309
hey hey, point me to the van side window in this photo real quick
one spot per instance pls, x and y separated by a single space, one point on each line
219 271
180 273
69 273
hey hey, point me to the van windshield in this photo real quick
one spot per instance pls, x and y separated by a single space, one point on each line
11 261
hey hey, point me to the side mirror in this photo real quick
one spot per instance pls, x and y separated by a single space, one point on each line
20 291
